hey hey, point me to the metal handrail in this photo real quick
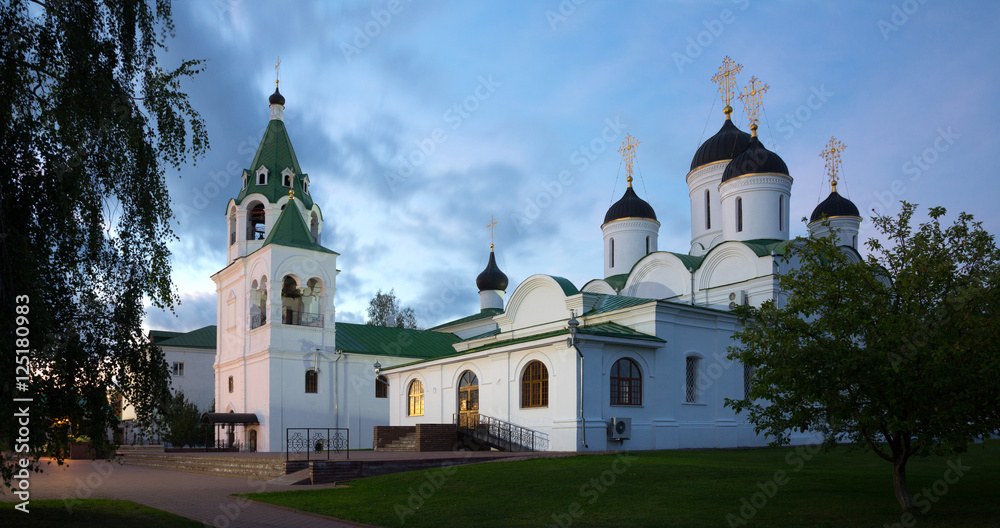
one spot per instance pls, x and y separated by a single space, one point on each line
293 317
494 431
318 440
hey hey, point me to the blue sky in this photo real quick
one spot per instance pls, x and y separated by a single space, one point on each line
418 120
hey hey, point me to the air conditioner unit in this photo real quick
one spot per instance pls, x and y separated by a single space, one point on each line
621 429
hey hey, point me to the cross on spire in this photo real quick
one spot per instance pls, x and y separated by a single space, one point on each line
726 79
751 98
832 156
492 227
276 72
628 155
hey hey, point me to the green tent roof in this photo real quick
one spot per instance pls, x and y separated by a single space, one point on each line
290 230
386 341
201 338
276 153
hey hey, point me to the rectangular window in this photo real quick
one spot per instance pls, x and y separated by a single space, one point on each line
691 380
178 369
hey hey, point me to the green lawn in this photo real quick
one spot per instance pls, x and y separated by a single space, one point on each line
90 513
777 487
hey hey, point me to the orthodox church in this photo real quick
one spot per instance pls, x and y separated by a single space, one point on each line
634 359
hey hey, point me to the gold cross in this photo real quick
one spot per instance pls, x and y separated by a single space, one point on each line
492 227
628 155
751 98
726 79
276 66
832 156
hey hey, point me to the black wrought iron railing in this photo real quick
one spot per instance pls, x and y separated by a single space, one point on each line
500 434
292 317
317 442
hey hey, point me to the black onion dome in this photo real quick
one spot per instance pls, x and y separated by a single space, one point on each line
726 144
834 205
492 278
276 98
630 206
756 159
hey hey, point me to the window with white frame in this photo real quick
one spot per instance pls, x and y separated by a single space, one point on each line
178 368
691 379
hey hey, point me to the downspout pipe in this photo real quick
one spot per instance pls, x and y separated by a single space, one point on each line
571 342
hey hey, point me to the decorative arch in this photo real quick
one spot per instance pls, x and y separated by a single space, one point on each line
660 275
539 299
725 264
599 286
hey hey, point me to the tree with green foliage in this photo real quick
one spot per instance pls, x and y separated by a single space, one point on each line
183 423
91 121
898 352
384 310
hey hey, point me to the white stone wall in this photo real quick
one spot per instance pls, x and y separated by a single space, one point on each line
760 194
630 237
699 180
847 228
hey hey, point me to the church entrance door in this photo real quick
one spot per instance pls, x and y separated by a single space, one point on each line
468 400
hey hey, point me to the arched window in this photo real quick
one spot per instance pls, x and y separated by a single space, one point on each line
626 383
312 381
314 228
854 241
255 224
535 385
381 387
739 215
286 179
232 228
781 213
708 209
691 379
647 245
230 384
416 397
612 253
291 302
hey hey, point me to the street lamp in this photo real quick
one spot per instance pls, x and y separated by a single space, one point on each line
378 368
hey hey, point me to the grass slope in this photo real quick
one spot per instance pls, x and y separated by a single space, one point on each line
90 513
770 487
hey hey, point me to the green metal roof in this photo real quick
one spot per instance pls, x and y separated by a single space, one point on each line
764 247
610 303
567 287
276 153
402 342
290 230
486 312
617 282
689 261
201 338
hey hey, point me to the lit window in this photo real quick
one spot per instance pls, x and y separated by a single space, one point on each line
230 384
691 391
416 397
626 383
382 387
311 381
535 385
178 369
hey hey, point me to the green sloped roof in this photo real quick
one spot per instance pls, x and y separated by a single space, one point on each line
610 303
764 247
386 341
567 287
689 261
617 281
487 312
290 230
156 336
276 153
201 338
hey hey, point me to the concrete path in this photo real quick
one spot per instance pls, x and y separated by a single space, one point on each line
204 498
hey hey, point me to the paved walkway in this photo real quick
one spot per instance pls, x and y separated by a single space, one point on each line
204 498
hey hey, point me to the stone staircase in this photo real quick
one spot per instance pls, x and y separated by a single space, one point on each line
407 442
226 466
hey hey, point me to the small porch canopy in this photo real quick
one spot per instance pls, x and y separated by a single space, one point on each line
230 418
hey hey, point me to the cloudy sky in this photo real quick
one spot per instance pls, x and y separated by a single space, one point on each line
418 120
